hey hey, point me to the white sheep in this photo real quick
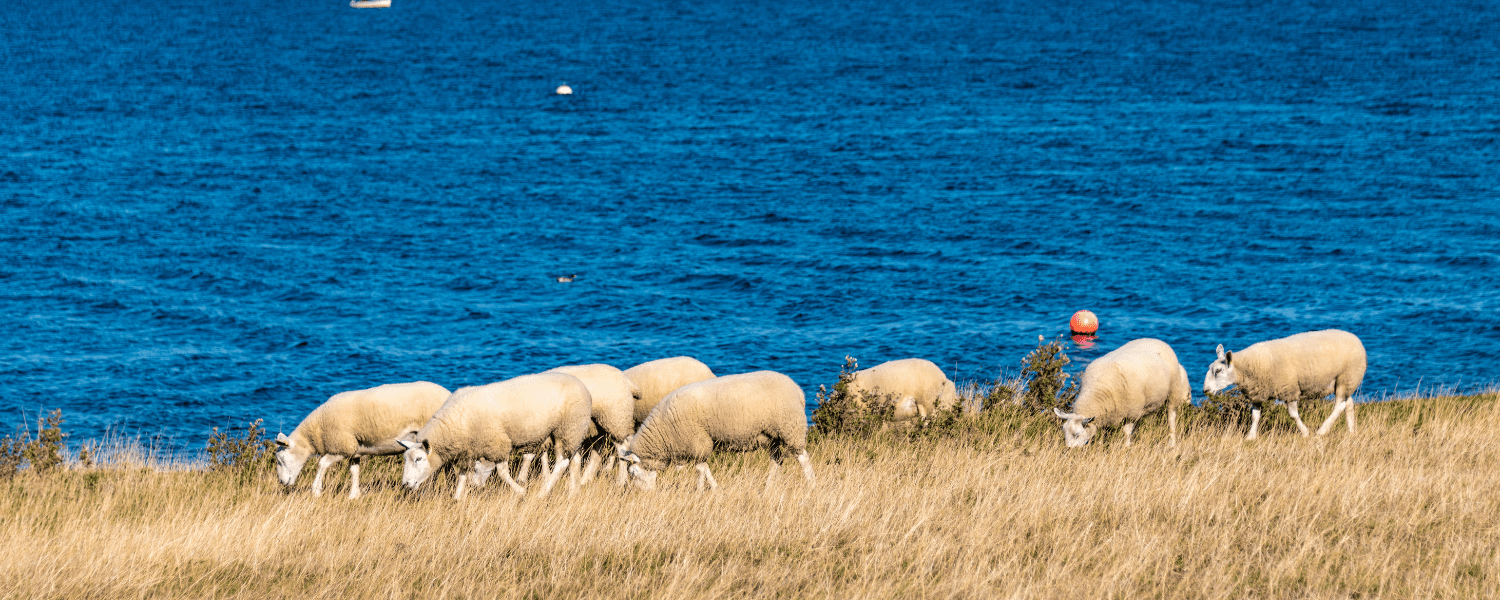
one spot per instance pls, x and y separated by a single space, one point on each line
481 425
919 387
1124 385
354 425
735 412
1311 364
660 377
614 396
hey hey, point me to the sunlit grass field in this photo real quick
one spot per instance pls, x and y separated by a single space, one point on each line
1407 507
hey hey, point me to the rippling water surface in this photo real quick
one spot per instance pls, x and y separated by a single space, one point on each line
221 211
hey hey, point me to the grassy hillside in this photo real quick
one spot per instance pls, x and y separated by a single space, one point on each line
1406 508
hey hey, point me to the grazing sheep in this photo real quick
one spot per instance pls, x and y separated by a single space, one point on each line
735 412
919 387
1311 364
614 397
660 377
354 425
480 426
1121 387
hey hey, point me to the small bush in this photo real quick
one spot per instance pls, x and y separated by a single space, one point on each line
12 454
1047 386
244 457
41 454
843 413
45 453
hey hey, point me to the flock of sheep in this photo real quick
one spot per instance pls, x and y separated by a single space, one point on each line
675 410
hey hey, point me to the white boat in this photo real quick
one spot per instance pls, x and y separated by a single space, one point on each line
370 3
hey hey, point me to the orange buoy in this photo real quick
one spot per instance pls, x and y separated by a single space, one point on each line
1084 323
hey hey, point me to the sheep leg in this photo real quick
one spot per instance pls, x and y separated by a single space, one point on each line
1291 407
546 469
354 477
463 485
514 487
1349 413
482 471
1128 428
622 474
771 476
552 478
572 472
1254 422
703 473
1172 425
806 463
327 460
524 475
1339 405
592 469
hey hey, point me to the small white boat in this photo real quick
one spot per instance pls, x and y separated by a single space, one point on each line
370 3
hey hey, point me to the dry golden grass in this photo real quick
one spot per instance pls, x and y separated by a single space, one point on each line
1407 508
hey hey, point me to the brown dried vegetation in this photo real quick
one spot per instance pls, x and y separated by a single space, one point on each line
995 507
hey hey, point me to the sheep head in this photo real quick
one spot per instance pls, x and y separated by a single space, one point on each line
420 463
1221 374
290 456
643 478
1077 429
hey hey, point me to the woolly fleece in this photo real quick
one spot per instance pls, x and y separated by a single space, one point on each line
658 378
1318 363
1131 382
734 412
613 397
369 419
487 422
916 378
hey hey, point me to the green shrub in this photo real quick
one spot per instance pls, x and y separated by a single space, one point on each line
244 457
45 452
1047 386
41 454
12 454
843 413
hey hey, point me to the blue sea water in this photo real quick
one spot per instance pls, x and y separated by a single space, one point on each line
220 211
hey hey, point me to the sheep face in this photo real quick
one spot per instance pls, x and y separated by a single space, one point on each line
420 461
1077 430
1221 375
290 456
643 478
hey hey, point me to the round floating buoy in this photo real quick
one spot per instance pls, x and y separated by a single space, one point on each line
564 89
1084 323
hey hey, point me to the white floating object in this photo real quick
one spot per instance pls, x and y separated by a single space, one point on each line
370 3
562 89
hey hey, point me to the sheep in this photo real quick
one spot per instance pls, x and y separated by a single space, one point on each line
354 425
660 377
1124 385
919 387
1314 363
614 396
481 425
735 412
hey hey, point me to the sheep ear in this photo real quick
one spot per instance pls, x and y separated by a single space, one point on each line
1086 421
1062 415
283 441
1219 351
1228 358
408 444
